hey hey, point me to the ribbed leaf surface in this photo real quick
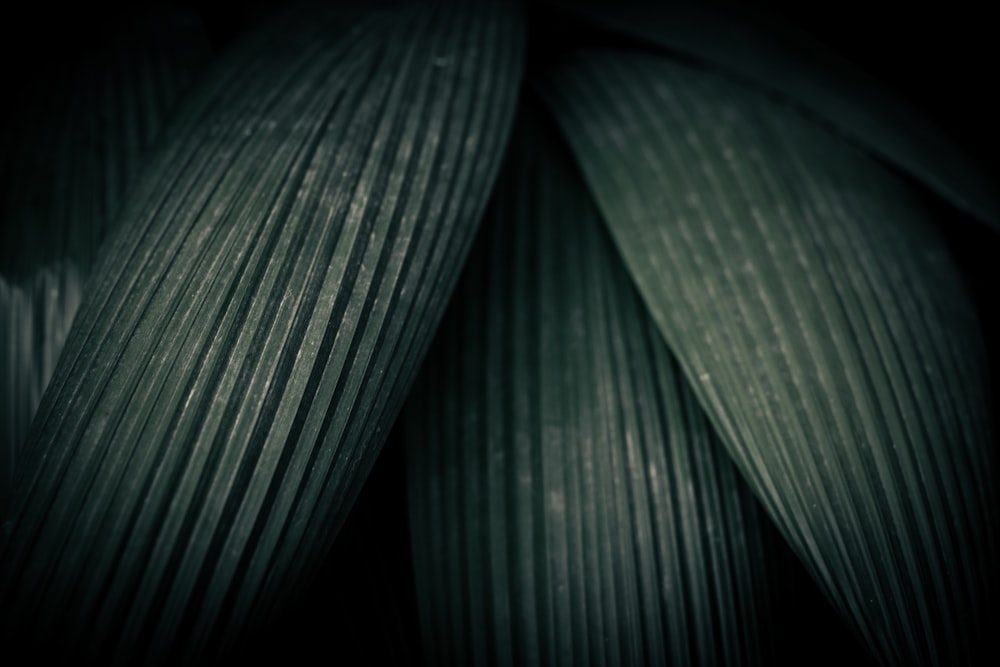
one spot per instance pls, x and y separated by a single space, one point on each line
761 50
569 503
69 150
825 330
252 331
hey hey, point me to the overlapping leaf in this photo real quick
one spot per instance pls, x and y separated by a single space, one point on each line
69 150
569 502
251 332
824 328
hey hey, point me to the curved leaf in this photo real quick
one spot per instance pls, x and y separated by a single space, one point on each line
823 326
569 503
73 145
253 328
761 50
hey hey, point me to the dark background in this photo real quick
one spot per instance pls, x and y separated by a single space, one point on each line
942 57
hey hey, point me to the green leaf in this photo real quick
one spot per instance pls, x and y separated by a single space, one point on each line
251 332
69 151
569 503
824 327
753 47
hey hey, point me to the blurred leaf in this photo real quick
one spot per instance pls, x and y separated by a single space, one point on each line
71 146
569 503
250 334
759 49
822 323
75 139
36 316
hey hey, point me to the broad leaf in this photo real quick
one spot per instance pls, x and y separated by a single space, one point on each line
569 503
251 332
822 323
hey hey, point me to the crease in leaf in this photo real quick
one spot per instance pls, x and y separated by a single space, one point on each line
569 502
824 328
253 326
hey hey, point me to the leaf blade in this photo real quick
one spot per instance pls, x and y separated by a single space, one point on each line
302 225
791 275
569 503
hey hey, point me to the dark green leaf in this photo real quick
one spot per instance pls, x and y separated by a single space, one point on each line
759 49
249 335
824 327
569 502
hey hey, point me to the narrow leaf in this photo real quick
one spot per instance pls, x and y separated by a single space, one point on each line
569 503
254 327
823 325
